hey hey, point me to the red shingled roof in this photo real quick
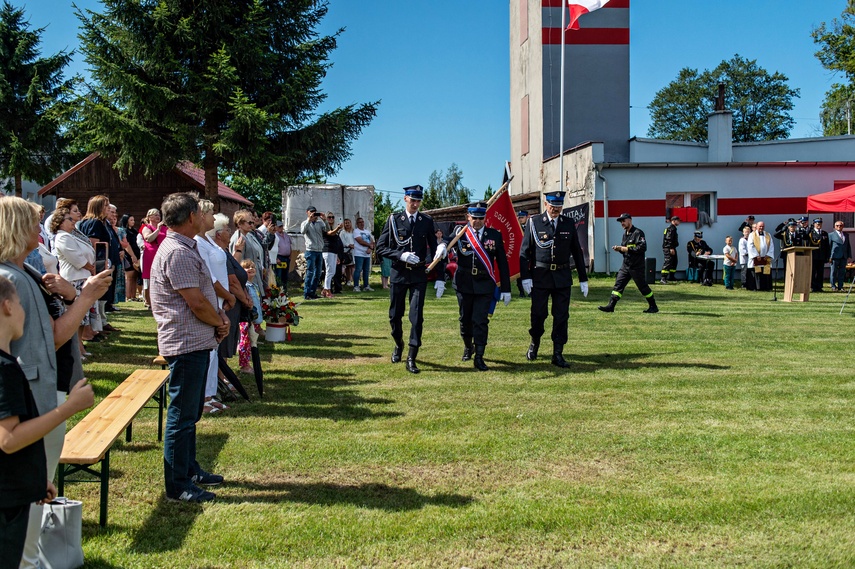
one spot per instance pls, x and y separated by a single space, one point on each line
198 176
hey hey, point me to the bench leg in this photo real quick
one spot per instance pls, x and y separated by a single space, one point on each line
161 401
105 489
129 432
61 481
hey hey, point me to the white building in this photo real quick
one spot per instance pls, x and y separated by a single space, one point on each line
644 177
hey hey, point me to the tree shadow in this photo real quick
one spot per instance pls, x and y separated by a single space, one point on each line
328 346
152 537
333 398
370 495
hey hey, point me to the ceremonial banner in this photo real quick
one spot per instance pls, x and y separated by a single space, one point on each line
579 215
502 217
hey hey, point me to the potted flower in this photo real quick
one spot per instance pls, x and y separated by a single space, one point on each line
280 313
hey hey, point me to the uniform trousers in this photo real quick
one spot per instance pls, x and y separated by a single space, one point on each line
398 296
474 317
637 275
817 272
560 313
669 267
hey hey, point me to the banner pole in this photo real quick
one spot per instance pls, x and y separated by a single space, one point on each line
564 9
457 237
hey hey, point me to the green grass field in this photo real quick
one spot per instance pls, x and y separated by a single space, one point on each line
719 432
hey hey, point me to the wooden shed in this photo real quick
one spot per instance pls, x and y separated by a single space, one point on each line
136 193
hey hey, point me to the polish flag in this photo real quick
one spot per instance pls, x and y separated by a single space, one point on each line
580 7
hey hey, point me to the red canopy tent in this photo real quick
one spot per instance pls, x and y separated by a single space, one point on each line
839 200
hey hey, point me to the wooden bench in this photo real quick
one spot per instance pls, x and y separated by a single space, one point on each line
89 442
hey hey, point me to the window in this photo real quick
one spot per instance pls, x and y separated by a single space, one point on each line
704 202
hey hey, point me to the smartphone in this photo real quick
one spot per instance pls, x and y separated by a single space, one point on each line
102 257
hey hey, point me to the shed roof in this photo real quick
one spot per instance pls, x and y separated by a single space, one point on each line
188 169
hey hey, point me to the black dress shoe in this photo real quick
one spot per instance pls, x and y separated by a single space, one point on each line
467 355
396 354
411 366
531 354
479 364
558 360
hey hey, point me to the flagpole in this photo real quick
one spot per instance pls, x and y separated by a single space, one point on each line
564 9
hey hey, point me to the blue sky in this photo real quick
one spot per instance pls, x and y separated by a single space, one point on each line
441 70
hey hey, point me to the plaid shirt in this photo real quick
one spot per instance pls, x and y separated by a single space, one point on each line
178 265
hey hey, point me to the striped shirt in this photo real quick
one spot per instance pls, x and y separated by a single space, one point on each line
178 265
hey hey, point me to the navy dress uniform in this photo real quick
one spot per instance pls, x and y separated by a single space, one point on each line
550 247
479 251
408 239
632 246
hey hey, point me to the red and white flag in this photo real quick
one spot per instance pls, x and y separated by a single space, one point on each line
580 7
502 217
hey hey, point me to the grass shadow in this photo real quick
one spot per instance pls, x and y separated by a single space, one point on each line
372 495
703 314
178 517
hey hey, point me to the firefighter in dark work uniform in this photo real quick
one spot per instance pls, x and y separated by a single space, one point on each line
704 267
632 247
549 242
670 241
408 239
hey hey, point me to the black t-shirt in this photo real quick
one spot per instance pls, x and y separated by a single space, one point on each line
23 474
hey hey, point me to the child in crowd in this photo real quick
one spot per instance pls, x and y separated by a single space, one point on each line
731 258
249 330
23 467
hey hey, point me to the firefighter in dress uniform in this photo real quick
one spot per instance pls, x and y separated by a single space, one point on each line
408 239
479 251
549 243
818 238
670 242
790 236
632 247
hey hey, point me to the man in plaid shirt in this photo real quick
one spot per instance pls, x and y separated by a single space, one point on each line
189 326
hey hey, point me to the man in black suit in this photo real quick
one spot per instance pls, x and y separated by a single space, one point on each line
408 239
549 244
479 251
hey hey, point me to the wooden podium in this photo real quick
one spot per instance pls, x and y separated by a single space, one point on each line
797 274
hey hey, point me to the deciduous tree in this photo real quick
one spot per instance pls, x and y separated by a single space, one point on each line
836 43
760 102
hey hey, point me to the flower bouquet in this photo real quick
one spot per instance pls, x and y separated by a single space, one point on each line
280 313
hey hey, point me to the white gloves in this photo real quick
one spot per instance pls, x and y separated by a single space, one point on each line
440 288
441 252
527 285
584 287
506 298
410 257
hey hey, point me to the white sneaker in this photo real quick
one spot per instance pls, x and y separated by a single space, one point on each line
369 289
356 289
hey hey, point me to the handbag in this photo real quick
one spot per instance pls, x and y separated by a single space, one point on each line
60 543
